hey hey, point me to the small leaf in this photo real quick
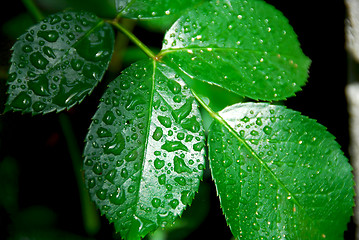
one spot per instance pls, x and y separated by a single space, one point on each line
59 61
147 9
247 47
279 174
145 149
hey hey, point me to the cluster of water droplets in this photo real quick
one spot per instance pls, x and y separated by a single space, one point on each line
255 53
145 147
272 166
57 62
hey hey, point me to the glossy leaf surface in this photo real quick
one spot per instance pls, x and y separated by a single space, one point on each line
146 9
279 175
59 61
247 47
144 151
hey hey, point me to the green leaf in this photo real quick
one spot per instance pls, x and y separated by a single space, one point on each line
247 47
279 174
149 9
59 61
145 149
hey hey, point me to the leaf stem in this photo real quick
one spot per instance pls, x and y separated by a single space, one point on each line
90 217
134 39
33 9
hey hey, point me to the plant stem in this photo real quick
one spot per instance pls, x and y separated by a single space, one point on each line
33 9
90 217
120 44
134 39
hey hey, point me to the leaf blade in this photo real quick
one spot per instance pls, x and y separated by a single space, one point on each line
58 61
149 9
280 182
154 159
255 54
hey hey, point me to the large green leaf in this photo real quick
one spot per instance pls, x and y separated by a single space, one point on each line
57 62
145 149
147 9
247 47
279 175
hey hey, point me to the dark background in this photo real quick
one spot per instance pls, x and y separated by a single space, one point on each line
38 145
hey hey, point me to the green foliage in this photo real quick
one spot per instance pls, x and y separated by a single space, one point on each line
278 174
59 61
144 153
273 170
245 47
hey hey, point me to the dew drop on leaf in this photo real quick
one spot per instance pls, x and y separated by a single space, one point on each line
50 35
159 163
38 60
116 145
157 134
180 166
165 121
156 202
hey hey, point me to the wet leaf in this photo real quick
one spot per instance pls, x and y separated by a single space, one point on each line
149 9
145 149
247 47
279 174
57 62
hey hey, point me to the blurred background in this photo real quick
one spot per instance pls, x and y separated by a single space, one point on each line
39 198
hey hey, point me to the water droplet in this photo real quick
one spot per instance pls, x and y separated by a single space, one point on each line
103 132
21 101
91 183
181 181
191 124
198 146
227 161
157 134
254 133
111 175
131 156
54 19
65 25
174 203
27 48
174 86
50 35
165 121
267 130
101 194
124 173
133 99
245 119
159 163
162 179
38 106
172 146
38 61
48 52
116 145
118 197
40 86
180 166
108 117
97 168
156 202
182 112
29 37
76 64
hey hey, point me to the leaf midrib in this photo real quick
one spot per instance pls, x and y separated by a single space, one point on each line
219 49
219 118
